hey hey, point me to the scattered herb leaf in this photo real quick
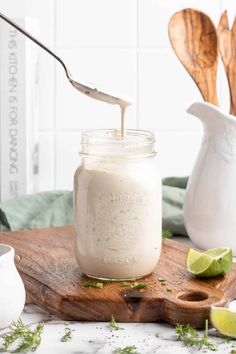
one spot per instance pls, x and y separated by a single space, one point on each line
139 286
67 335
29 339
125 284
190 337
233 351
114 325
162 280
166 234
131 349
90 284
169 290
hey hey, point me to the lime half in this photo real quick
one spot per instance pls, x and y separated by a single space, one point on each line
224 320
210 263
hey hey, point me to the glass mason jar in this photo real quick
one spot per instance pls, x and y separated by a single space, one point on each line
117 205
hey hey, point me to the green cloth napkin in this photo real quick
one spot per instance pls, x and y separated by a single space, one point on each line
173 193
54 208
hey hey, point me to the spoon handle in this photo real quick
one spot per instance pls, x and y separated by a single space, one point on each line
35 40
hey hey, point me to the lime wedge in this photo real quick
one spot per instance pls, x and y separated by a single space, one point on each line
211 263
224 320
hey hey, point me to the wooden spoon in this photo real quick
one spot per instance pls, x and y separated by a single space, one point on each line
194 39
227 48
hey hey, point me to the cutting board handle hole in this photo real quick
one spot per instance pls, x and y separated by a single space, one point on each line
193 296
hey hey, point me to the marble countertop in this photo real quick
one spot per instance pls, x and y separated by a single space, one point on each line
99 338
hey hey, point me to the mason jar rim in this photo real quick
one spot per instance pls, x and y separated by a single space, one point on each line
112 136
108 143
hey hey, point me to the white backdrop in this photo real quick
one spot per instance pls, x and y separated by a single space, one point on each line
121 45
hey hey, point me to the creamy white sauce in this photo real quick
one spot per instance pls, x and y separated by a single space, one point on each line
122 120
117 218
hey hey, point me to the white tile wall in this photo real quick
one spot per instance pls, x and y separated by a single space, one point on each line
96 23
121 45
177 151
67 159
165 91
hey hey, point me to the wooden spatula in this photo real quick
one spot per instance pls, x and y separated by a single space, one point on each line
227 48
194 39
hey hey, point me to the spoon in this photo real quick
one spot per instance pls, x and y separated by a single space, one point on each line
227 48
89 91
194 40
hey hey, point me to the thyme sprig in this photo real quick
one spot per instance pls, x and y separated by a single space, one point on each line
114 325
131 349
190 337
29 339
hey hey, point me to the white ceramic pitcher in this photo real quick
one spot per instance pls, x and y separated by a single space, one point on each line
210 202
12 291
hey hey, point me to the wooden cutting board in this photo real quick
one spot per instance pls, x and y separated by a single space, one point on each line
52 279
